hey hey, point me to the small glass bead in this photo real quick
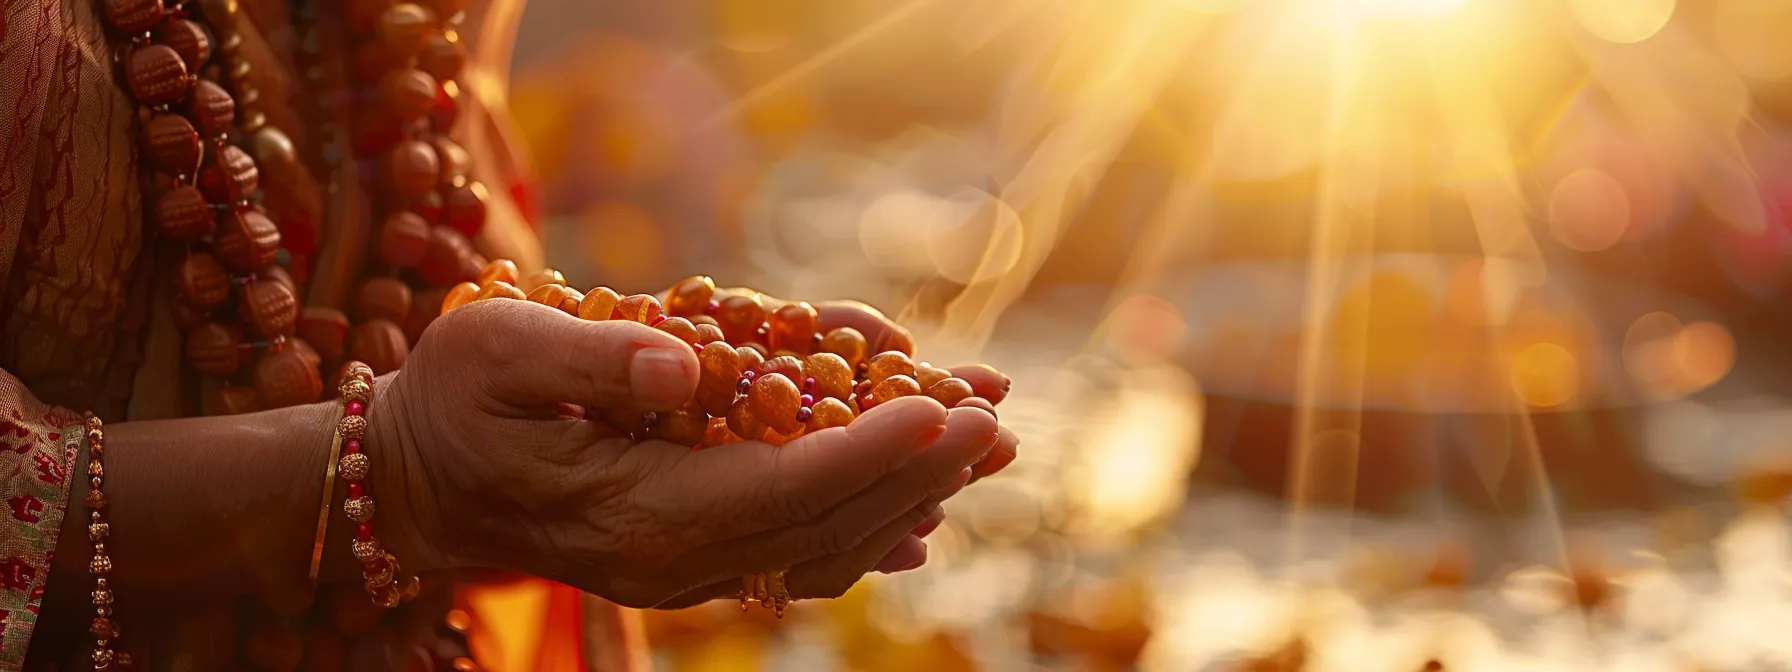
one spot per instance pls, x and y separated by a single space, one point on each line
363 531
355 408
355 490
351 446
808 400
804 414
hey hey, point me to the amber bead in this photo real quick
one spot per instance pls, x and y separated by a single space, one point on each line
740 315
407 95
384 298
202 281
405 28
459 295
950 391
272 149
404 239
157 75
442 262
793 327
789 367
326 329
278 273
182 215
442 58
546 276
284 378
455 162
547 295
212 108
411 169
599 304
833 378
228 176
172 143
829 412
133 17
498 270
643 308
849 344
187 39
684 427
232 400
690 296
718 434
465 210
247 241
707 333
890 388
212 349
745 423
710 320
499 289
750 357
380 344
890 363
680 327
569 303
269 306
774 399
716 386
927 374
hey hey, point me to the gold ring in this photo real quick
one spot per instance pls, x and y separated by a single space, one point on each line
767 590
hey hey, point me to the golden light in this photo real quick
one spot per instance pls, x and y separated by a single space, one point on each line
1588 210
1545 375
1623 21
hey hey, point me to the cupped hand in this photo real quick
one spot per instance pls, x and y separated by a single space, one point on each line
476 467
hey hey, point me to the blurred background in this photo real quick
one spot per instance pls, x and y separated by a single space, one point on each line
1345 334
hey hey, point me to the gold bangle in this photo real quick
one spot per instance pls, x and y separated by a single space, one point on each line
103 628
323 515
770 591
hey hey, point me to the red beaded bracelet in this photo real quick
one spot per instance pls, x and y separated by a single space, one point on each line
380 572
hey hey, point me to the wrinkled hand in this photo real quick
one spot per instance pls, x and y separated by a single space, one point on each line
476 467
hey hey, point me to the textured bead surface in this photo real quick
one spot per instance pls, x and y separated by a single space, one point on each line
718 434
750 357
498 270
272 149
833 378
459 295
407 95
157 75
405 28
708 333
642 308
379 343
326 329
599 304
383 298
358 509
886 364
739 316
443 262
927 374
684 427
211 108
690 296
182 215
679 327
172 143
212 349
187 39
465 209
774 400
411 169
744 422
792 327
949 391
228 176
269 306
829 412
202 281
893 387
787 366
549 295
284 378
370 550
132 17
247 241
720 366
499 289
849 344
404 239
547 276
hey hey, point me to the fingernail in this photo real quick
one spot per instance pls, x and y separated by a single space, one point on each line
988 441
929 436
958 483
662 378
930 524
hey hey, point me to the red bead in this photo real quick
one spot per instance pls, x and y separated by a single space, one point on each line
157 75
212 107
465 209
351 446
356 408
354 490
808 400
363 531
133 16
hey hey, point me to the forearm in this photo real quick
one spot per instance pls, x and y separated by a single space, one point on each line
202 509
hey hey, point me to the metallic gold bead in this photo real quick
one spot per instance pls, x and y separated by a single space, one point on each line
382 577
96 499
359 509
355 389
100 583
102 658
103 628
358 371
94 468
387 597
102 597
100 565
353 466
367 551
98 531
352 426
104 610
409 587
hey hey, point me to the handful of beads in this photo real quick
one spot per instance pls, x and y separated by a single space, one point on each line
768 373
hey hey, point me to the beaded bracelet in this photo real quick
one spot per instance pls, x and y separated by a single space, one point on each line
380 572
104 630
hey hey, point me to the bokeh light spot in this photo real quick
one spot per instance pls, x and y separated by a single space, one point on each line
1545 375
1588 210
1623 21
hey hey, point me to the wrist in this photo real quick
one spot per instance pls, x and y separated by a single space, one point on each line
395 483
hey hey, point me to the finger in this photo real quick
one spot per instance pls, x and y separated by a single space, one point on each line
932 476
1007 448
881 333
986 382
910 553
932 523
751 487
534 356
979 402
